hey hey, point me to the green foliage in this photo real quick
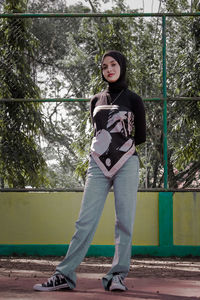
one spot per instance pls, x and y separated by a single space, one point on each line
78 57
66 53
183 54
133 37
21 160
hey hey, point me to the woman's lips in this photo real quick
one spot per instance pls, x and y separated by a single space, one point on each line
110 75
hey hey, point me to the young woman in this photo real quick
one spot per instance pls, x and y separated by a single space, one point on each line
118 118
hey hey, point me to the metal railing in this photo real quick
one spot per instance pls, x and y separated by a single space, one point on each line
165 99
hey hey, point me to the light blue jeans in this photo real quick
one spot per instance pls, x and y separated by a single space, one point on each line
125 185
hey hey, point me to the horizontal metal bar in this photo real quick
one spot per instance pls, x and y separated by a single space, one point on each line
87 15
80 189
87 100
45 100
183 98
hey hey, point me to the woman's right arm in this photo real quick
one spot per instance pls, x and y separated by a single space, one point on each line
93 101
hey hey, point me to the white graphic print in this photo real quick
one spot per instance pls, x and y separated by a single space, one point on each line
119 120
108 162
130 122
126 146
113 143
101 142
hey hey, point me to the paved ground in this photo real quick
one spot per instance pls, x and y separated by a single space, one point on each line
173 279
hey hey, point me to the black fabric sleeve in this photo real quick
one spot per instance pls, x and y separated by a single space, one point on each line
139 120
92 106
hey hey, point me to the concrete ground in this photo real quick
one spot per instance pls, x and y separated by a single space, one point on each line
149 278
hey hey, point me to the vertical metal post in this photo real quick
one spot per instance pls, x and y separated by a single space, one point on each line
165 102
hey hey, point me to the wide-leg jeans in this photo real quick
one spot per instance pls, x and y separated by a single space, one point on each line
125 185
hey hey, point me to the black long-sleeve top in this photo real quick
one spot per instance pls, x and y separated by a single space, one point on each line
113 142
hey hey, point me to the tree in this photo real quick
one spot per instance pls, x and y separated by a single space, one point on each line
21 159
59 71
70 51
133 37
183 81
140 40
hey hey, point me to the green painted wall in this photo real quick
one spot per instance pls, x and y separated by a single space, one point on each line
49 218
186 215
42 223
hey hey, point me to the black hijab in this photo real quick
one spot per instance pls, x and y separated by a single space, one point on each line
121 83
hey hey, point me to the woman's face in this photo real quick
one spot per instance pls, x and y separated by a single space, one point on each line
110 69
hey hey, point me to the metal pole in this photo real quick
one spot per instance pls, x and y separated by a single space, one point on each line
164 103
88 99
62 99
88 15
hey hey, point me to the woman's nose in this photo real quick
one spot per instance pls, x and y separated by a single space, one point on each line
109 68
